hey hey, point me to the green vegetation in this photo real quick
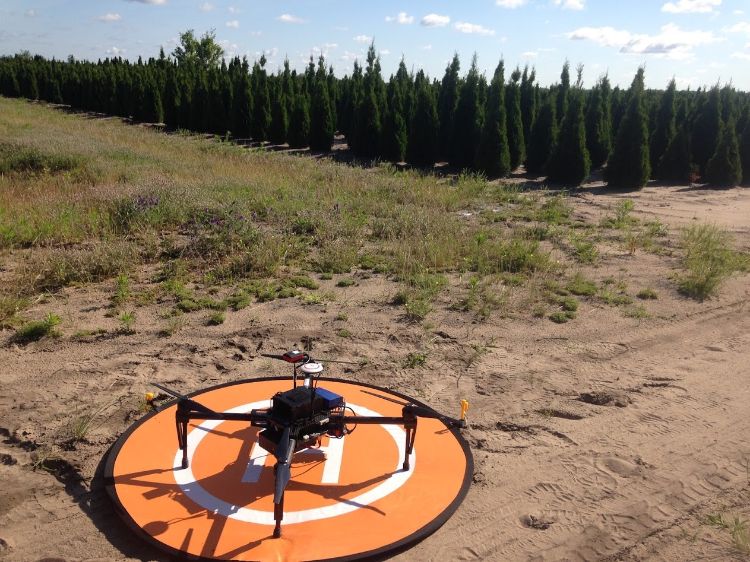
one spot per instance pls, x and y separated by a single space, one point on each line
709 260
415 359
38 329
739 531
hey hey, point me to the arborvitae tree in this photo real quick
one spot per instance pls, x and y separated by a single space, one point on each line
706 128
261 115
321 114
528 103
725 168
493 155
394 128
171 99
674 165
745 153
299 130
597 126
516 142
570 163
543 138
287 91
423 131
242 102
629 164
664 130
562 91
467 123
617 109
447 101
278 133
152 108
367 124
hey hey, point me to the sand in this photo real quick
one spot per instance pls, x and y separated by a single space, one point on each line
606 438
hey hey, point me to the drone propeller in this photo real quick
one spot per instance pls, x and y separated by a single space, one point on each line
296 356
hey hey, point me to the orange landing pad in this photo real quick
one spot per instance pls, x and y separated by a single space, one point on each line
348 499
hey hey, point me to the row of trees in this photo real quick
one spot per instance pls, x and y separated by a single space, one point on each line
562 131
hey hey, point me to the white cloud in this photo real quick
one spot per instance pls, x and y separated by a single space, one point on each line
30 13
233 10
691 6
116 51
363 39
384 52
529 54
427 47
402 17
473 28
738 12
206 7
739 27
330 45
740 55
511 3
435 20
289 18
570 4
110 17
348 56
233 24
671 42
154 2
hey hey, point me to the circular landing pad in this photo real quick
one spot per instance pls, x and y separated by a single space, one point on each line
348 499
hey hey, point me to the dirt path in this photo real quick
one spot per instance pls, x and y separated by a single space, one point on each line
558 476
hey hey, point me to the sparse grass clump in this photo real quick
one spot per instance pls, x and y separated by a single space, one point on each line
36 330
122 290
19 159
709 260
346 282
739 531
216 319
414 360
53 269
9 308
621 218
647 294
581 286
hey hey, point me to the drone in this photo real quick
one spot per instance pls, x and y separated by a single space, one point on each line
298 418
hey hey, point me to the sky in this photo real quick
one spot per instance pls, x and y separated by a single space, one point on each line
698 42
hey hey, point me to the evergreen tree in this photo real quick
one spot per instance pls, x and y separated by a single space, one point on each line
516 142
467 123
447 102
562 91
278 133
153 112
321 114
423 131
299 129
706 128
664 130
367 123
493 155
570 163
528 103
261 115
598 138
543 141
674 165
242 101
725 168
745 153
394 128
629 164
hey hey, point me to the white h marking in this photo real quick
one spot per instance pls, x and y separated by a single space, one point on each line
333 454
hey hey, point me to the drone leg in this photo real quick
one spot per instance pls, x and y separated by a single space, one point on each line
278 515
411 435
182 440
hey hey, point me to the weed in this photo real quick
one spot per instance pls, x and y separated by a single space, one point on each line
127 321
560 317
737 527
216 318
346 282
709 260
637 312
647 294
317 298
554 210
36 330
342 316
622 218
614 298
581 286
122 290
584 250
173 325
9 309
417 309
82 425
239 300
344 333
414 360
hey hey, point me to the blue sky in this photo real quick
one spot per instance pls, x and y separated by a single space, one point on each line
696 41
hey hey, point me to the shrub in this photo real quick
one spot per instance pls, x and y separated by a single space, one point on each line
36 330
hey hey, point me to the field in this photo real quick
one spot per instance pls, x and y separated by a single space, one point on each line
602 338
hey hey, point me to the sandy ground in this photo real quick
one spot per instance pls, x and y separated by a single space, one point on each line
557 477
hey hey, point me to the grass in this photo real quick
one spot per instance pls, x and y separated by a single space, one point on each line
647 294
36 330
414 360
216 319
581 286
737 527
709 260
122 291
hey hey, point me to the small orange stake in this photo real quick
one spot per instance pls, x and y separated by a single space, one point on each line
464 408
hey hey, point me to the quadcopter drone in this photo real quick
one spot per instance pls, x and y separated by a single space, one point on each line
298 418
